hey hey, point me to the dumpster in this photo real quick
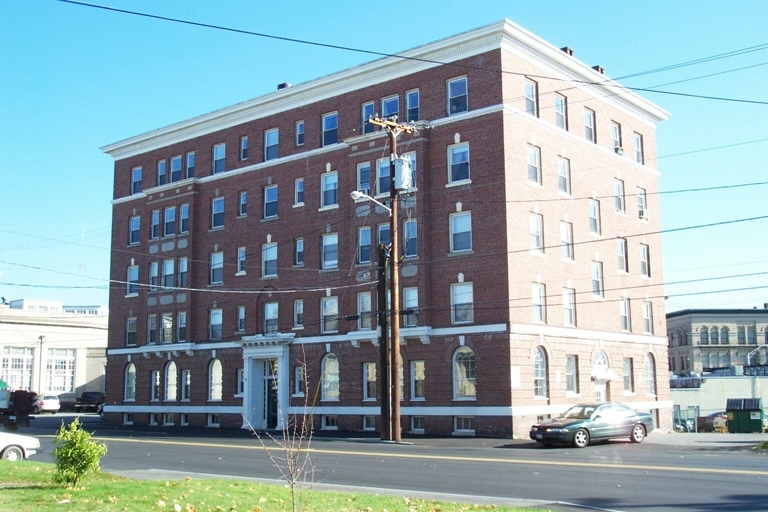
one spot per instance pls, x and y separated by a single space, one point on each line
745 415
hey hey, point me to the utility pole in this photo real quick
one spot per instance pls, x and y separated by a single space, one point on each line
386 424
394 129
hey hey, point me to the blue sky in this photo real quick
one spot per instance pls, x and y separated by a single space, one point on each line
75 78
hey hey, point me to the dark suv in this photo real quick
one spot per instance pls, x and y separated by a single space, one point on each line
89 401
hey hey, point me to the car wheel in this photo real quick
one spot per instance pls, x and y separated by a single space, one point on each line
13 453
54 411
77 409
580 438
638 434
36 410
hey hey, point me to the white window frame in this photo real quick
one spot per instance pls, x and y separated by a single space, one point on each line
566 240
329 183
536 232
598 288
531 89
569 307
534 164
242 254
330 257
240 327
271 317
455 89
538 303
364 185
244 148
132 281
571 374
615 136
561 111
269 260
642 204
298 192
383 180
217 213
589 125
171 382
369 379
411 98
134 230
594 217
564 175
462 296
411 302
364 246
367 111
330 378
270 202
410 238
647 317
215 384
216 275
364 311
298 252
645 260
330 126
619 201
190 167
271 144
136 180
621 254
329 315
242 203
130 383
458 155
219 158
298 314
540 373
457 223
169 273
299 128
418 375
464 374
637 146
625 314
387 104
215 330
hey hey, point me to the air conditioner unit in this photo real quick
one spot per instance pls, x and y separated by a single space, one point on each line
619 150
643 213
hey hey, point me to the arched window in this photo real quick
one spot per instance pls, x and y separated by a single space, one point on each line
679 337
215 380
330 377
601 360
539 372
650 374
766 335
713 336
464 373
704 336
725 336
171 381
685 336
130 382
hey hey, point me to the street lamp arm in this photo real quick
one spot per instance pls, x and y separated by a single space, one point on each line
358 197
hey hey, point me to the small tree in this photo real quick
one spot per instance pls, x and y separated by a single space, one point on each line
75 454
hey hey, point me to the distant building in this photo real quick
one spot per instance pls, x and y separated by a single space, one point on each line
703 339
87 310
44 349
531 254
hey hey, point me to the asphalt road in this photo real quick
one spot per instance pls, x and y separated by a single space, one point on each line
669 471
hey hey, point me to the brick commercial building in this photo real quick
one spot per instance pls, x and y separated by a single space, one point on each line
531 259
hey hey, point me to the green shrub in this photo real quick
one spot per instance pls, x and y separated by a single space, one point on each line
75 454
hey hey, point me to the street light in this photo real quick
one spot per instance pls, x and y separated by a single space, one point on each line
359 197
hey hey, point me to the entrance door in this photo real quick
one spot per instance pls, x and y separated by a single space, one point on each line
601 391
270 392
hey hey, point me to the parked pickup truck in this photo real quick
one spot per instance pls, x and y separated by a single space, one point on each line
89 401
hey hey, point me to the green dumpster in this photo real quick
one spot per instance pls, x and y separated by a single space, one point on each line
745 415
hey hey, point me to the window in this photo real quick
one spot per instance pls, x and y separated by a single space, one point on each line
134 230
270 202
572 373
133 280
621 253
369 381
171 381
152 328
564 175
364 310
642 204
458 157
464 424
390 106
637 143
383 181
298 192
215 384
329 307
162 174
168 273
182 281
299 381
241 258
713 334
461 232
418 380
367 110
271 144
704 336
154 391
330 128
629 380
532 98
243 148
566 240
166 328
242 204
412 157
383 234
457 96
650 375
191 164
298 314
217 268
330 189
214 324
181 326
217 212
219 154
153 275
269 260
412 106
169 226
615 136
539 302
536 232
534 165
364 245
464 374
130 382
417 424
618 196
176 168
539 372
597 279
624 314
330 378
411 303
589 125
725 336
751 335
594 216
184 218
130 331
299 133
364 178
741 337
271 317
330 255
136 180
645 260
569 307
410 240
462 305
154 228
648 319
561 112
298 252
186 384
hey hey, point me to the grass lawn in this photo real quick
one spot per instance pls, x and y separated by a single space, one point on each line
28 486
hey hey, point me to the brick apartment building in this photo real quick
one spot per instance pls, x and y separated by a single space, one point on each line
531 254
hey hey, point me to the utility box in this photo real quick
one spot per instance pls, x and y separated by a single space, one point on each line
745 415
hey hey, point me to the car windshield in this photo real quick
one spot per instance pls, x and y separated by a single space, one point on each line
579 412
